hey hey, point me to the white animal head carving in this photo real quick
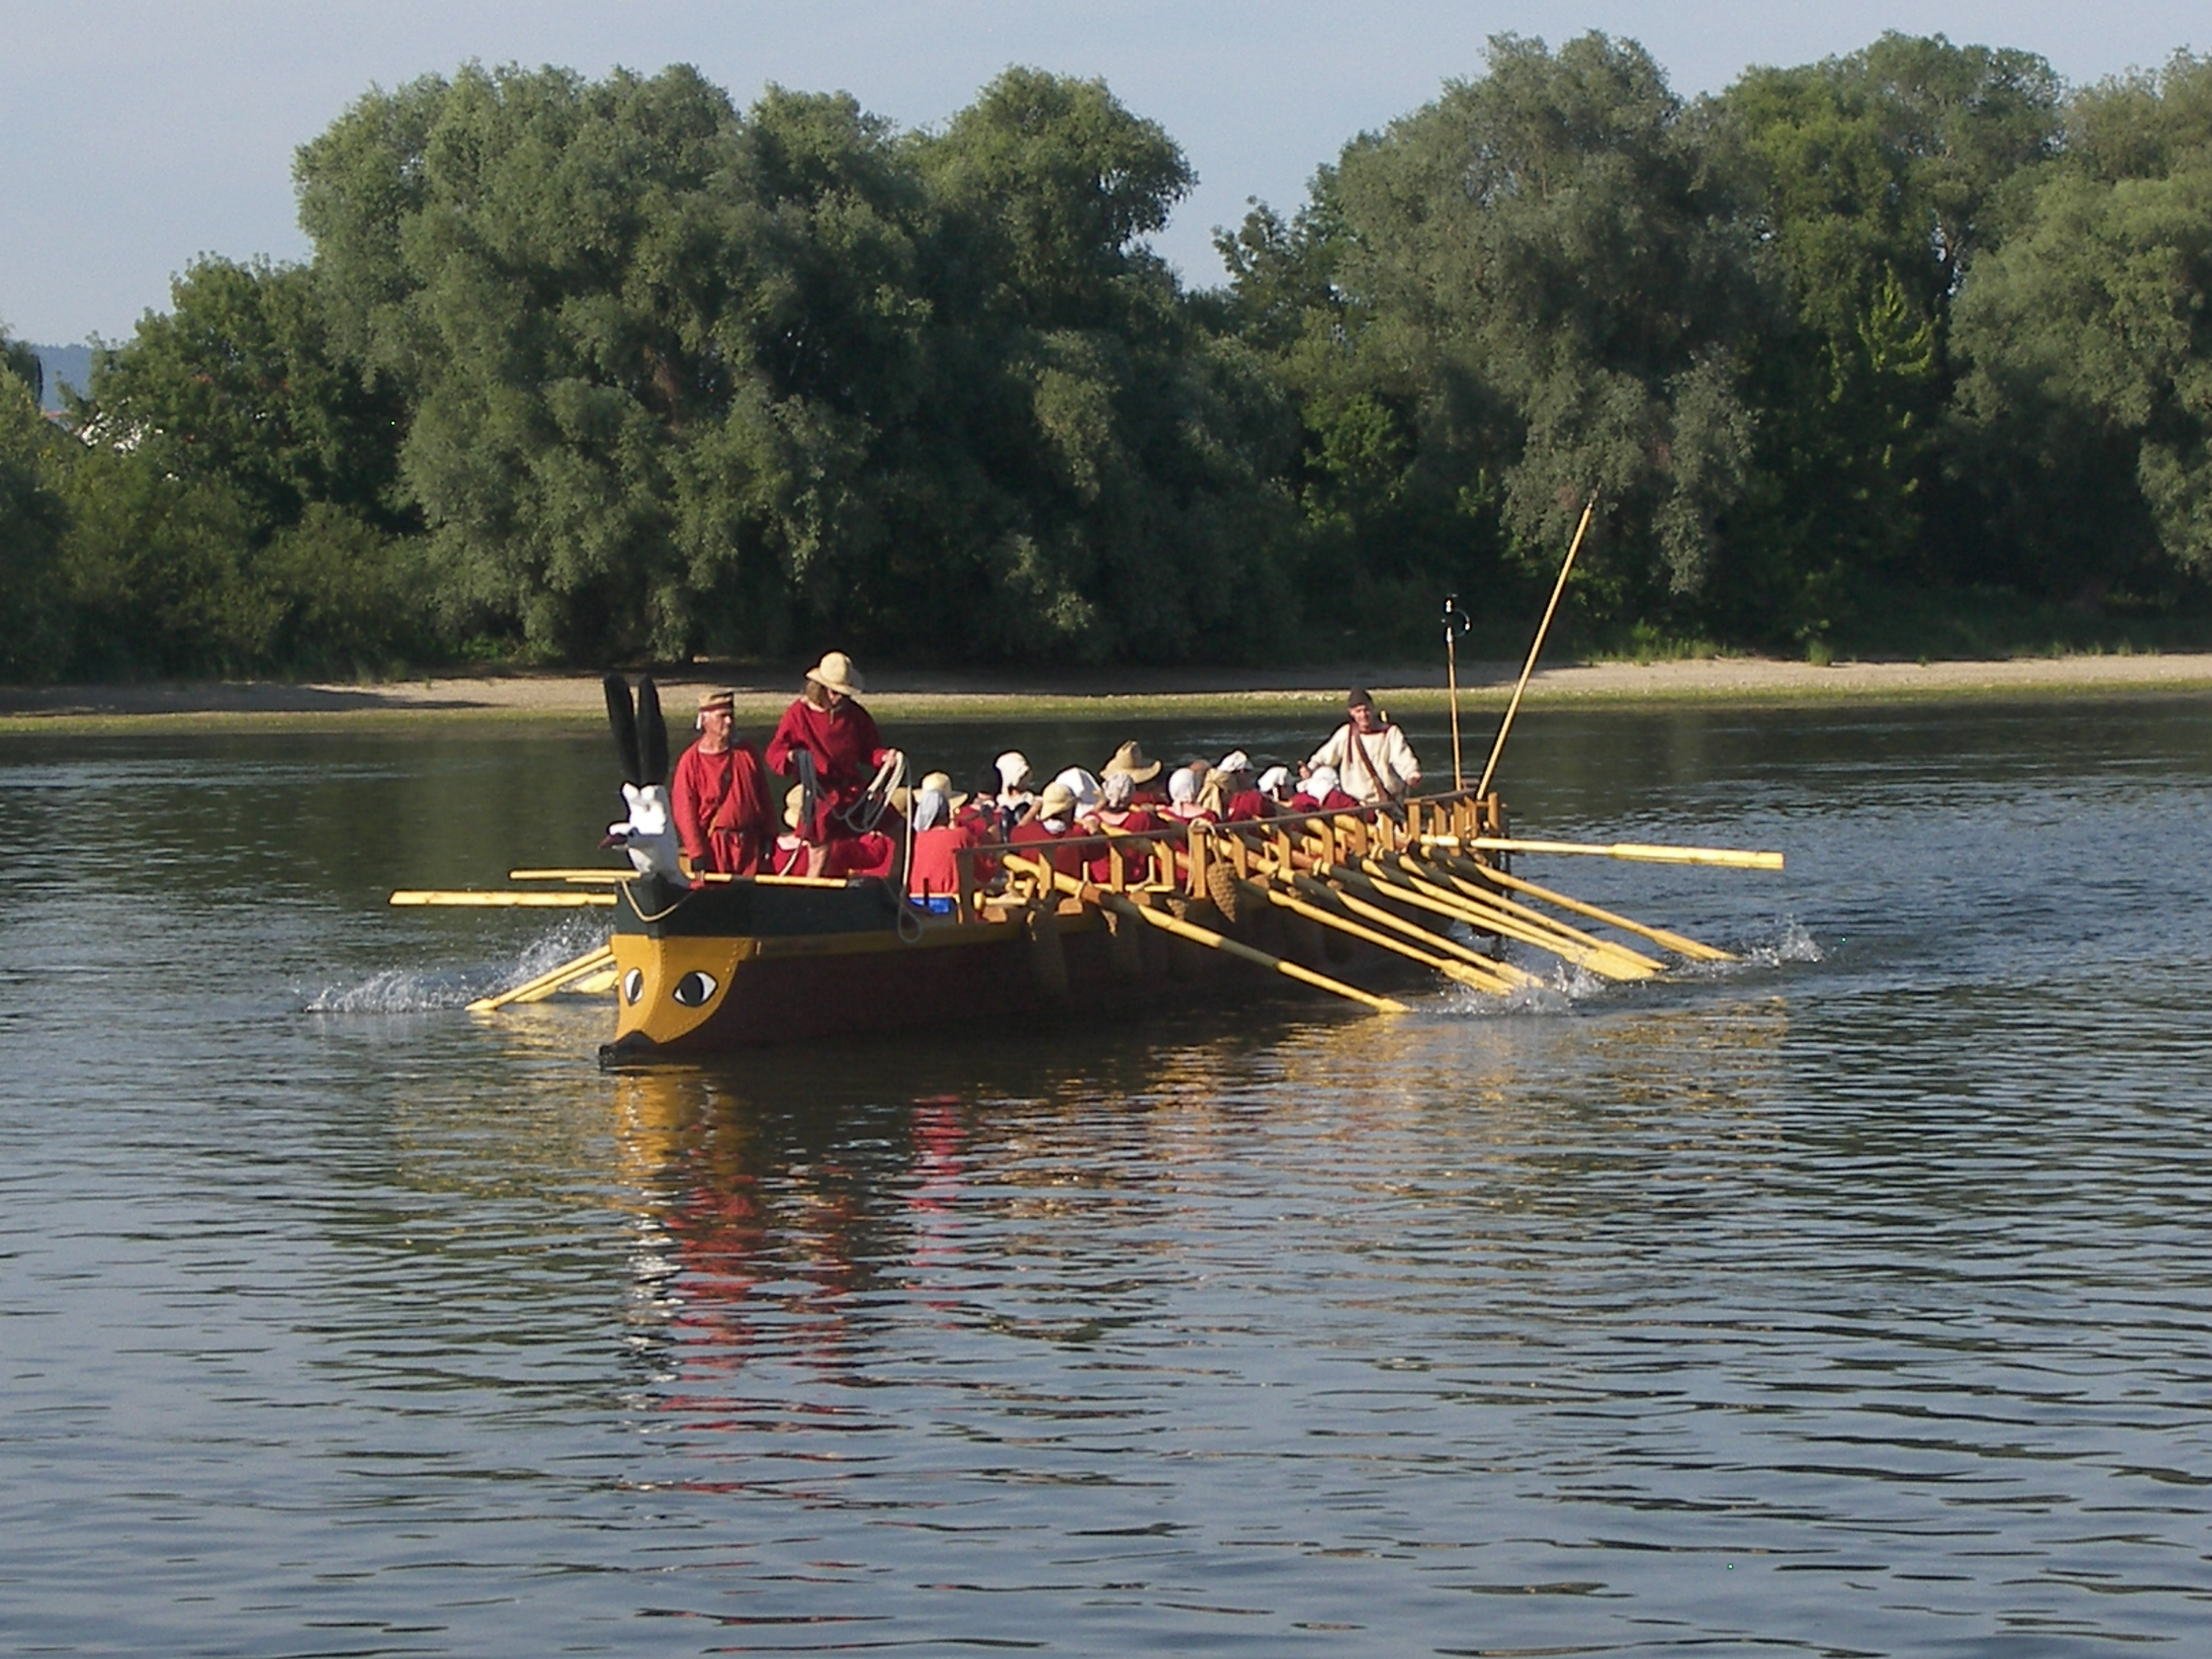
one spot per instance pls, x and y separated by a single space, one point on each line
645 835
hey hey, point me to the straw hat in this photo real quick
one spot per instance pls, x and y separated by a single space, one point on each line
719 697
837 671
1081 785
903 798
791 806
1058 801
1129 759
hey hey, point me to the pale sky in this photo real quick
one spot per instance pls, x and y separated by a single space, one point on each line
135 135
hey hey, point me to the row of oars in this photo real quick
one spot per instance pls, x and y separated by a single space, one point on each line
1369 899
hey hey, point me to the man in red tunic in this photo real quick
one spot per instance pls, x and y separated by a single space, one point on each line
826 723
720 796
1052 821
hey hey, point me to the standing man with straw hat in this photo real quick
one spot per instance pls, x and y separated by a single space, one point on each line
832 744
1370 755
719 795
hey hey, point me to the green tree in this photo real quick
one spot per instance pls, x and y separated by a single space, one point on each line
33 623
2089 337
19 360
1872 181
1114 469
238 382
1535 290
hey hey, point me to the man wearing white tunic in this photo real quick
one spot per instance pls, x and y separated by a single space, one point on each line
1373 761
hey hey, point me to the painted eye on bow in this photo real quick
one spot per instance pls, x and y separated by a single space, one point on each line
633 986
695 989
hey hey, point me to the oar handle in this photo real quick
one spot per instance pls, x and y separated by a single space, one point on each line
1723 858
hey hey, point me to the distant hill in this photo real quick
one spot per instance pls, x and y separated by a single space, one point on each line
70 363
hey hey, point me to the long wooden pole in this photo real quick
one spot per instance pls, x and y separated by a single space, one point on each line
1513 976
1500 916
1681 943
1534 645
1055 880
1723 858
1416 873
1451 676
501 900
1207 937
1430 959
546 983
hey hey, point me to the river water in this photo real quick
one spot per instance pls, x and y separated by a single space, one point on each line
1853 1298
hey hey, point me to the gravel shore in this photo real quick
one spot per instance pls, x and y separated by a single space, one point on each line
919 693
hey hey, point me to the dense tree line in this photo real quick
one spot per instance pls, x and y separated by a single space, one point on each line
591 370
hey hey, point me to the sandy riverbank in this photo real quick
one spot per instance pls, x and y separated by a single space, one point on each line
932 695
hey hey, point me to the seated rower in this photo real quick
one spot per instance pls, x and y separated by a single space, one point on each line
1229 793
1118 814
982 813
1131 760
1053 820
1275 784
874 853
1084 787
1016 797
1321 794
937 840
1184 784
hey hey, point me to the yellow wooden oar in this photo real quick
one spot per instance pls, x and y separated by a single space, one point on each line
1725 857
1490 903
597 874
1681 943
1434 961
1511 977
1513 921
501 900
592 962
1054 881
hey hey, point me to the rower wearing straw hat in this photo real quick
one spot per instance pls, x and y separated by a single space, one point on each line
1130 762
831 742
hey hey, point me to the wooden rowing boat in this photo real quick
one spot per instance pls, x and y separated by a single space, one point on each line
1342 904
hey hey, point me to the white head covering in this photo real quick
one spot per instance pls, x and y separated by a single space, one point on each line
1117 789
1235 761
1014 770
1081 785
1182 786
1275 778
1321 780
928 809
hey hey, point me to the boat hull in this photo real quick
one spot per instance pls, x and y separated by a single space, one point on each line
742 965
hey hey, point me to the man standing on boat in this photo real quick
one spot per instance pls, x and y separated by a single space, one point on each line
720 796
1371 756
826 731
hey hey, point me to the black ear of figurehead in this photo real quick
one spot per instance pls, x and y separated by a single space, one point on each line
624 719
651 734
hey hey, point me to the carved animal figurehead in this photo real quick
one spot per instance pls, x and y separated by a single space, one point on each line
648 834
